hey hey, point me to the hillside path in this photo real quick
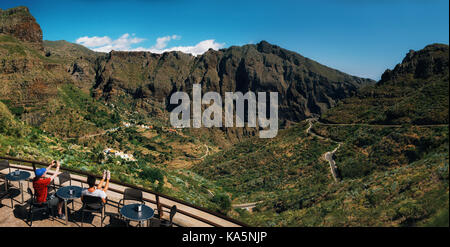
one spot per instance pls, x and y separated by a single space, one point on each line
328 156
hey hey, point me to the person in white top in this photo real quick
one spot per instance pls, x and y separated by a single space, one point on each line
97 191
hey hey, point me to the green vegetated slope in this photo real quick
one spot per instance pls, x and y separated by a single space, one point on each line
153 150
389 177
392 162
62 101
415 92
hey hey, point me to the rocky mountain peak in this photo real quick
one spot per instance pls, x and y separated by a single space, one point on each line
19 23
424 64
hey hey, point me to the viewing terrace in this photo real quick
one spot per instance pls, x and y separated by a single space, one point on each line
187 215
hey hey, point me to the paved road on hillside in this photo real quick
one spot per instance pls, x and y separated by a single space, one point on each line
328 156
247 206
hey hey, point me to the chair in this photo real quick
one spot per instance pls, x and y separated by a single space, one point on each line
4 194
62 178
92 204
3 165
37 207
157 222
130 194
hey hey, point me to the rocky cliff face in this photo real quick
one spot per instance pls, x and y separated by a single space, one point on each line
305 87
33 72
19 23
431 61
414 92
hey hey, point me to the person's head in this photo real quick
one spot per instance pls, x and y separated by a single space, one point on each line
39 172
91 181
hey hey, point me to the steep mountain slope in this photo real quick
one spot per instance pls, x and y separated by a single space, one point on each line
415 92
35 75
305 87
389 175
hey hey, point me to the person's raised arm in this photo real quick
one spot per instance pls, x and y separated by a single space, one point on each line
99 186
107 181
48 168
56 172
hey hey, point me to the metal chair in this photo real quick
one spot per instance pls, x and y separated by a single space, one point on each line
62 178
37 207
3 165
92 204
157 222
130 194
4 194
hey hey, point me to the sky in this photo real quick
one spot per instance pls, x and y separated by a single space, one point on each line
359 37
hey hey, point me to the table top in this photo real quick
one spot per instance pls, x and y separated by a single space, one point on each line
130 212
63 192
23 175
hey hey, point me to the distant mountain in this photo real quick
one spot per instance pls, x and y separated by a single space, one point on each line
34 71
305 86
389 175
416 91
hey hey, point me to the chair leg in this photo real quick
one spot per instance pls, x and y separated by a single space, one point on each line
30 217
102 217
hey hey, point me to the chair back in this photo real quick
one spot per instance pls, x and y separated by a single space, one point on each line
5 164
33 198
133 195
173 211
92 201
64 177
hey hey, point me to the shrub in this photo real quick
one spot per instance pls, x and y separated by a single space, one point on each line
223 201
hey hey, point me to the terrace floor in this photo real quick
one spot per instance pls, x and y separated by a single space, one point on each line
16 216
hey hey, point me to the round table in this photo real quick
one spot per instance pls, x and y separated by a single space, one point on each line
64 194
130 212
23 175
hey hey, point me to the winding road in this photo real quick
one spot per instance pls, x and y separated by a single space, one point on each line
246 206
328 156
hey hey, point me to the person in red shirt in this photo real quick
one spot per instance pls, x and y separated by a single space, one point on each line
40 185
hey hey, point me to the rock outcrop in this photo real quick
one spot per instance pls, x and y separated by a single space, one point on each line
19 23
431 61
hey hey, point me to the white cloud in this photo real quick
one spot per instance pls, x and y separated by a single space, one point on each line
162 41
124 43
195 50
106 44
93 41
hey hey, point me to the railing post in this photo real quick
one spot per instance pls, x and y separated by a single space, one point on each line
34 167
158 206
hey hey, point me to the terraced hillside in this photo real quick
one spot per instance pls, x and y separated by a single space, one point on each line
393 168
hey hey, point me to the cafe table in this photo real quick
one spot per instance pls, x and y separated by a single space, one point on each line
68 193
134 213
19 176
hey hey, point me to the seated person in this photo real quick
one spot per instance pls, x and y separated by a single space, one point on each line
97 191
40 185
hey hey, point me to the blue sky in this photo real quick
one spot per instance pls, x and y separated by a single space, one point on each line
361 38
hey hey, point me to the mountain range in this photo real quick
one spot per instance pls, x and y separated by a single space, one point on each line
389 139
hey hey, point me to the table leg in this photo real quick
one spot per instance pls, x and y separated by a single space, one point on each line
65 208
21 190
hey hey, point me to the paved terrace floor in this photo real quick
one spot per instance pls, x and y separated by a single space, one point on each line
16 216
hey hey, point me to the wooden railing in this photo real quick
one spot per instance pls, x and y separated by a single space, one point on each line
158 196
